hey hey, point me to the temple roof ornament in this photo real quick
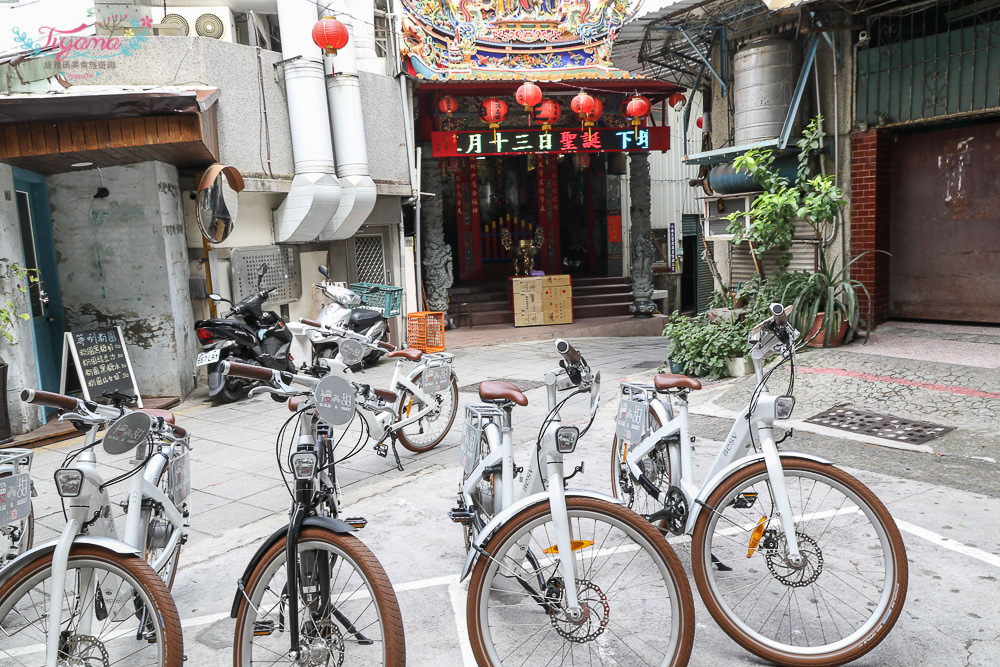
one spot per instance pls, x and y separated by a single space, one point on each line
504 39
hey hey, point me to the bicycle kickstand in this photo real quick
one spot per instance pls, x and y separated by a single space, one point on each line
399 464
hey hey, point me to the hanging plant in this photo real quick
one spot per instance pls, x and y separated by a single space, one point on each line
10 314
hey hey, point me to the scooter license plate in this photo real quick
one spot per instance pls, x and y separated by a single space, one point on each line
210 357
15 498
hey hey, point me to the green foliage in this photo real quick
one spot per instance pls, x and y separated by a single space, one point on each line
816 199
702 347
21 278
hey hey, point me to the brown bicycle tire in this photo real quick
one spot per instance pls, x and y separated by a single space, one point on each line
403 440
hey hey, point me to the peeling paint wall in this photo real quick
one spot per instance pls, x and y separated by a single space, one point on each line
123 261
20 357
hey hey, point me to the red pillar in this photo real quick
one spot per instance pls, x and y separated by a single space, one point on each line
871 182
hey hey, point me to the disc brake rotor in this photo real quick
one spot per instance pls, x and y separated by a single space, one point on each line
85 651
595 617
795 576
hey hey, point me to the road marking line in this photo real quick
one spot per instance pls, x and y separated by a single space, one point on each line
871 377
948 543
457 596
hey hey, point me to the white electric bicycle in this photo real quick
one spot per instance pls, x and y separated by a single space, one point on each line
88 597
560 575
17 516
796 560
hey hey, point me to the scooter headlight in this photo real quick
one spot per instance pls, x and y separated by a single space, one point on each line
783 407
566 437
304 465
69 482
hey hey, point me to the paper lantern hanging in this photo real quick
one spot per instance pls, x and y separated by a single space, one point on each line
590 118
528 95
582 104
493 110
548 112
637 109
677 101
448 105
330 35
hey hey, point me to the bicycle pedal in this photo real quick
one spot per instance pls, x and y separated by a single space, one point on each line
382 450
263 628
356 521
459 515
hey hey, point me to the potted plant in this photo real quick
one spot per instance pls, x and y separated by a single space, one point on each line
825 304
10 316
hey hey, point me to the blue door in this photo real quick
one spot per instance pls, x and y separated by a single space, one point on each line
37 240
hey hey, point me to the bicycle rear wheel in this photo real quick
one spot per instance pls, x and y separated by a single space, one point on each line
348 612
655 465
635 596
428 431
833 608
115 610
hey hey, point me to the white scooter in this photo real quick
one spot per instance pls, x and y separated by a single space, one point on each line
341 313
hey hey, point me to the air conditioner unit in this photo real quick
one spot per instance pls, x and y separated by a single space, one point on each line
210 22
716 208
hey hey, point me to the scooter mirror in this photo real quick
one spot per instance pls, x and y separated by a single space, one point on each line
324 271
215 297
262 270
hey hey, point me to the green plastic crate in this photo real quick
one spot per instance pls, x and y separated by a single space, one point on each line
385 298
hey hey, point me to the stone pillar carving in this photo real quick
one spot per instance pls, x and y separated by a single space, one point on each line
438 275
641 235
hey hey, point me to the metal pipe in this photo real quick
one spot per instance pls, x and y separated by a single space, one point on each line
416 236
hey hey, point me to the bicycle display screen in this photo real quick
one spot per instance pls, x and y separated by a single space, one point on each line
127 433
469 452
15 498
180 478
630 424
435 378
334 400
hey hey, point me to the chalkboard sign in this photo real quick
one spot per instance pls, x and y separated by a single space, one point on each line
101 362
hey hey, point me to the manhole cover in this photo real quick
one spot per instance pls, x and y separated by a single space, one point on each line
523 385
880 426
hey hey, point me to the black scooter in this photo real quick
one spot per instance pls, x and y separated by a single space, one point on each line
261 339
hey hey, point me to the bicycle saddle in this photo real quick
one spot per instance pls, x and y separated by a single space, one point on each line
165 415
666 381
409 354
495 390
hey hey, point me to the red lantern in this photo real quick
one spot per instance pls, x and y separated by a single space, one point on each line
330 35
548 112
493 110
700 122
528 95
582 104
677 101
637 108
448 105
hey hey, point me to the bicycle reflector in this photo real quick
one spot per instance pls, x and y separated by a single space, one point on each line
566 437
69 482
783 407
304 465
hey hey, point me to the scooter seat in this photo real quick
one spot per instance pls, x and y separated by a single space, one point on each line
363 318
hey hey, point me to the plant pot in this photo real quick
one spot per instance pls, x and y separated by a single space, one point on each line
738 367
819 329
676 368
697 371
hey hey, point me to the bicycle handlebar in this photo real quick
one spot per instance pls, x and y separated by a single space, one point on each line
779 314
310 323
568 352
248 371
388 347
90 411
50 399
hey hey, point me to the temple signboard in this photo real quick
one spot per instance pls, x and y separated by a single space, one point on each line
517 141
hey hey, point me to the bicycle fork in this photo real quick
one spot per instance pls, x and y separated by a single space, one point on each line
564 538
776 478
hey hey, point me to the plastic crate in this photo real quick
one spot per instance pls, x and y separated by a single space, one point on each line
425 331
385 298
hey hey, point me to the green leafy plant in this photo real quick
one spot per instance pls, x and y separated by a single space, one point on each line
10 314
702 347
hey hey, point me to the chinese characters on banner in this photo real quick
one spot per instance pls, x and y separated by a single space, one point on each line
512 142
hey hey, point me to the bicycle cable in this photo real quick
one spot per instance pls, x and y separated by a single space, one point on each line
549 418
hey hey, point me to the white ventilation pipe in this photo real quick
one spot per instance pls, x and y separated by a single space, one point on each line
315 193
344 92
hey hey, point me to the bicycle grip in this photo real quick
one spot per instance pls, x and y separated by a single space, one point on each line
779 314
389 347
50 399
310 323
179 431
246 371
568 352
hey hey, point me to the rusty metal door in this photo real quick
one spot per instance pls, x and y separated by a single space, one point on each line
945 225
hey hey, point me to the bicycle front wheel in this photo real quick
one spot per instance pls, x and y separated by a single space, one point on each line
348 612
428 431
115 611
835 606
636 602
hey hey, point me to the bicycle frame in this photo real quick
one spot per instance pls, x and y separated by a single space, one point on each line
735 452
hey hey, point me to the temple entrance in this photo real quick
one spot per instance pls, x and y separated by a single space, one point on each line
554 203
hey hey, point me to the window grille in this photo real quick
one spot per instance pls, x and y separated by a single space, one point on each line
370 256
283 272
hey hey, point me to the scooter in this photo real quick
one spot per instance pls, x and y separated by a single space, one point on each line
341 313
261 339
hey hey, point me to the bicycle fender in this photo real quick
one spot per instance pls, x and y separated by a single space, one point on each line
329 523
712 484
506 514
106 543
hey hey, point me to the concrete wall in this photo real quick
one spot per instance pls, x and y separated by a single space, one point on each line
122 261
20 356
385 132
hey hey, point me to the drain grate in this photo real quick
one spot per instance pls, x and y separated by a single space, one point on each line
523 385
880 426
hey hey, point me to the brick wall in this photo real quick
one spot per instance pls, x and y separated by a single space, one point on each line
871 175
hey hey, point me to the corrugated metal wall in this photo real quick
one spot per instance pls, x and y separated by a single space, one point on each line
671 195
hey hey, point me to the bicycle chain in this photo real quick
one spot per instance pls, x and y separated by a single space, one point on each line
796 577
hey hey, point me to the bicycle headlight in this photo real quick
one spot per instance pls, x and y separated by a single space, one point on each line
69 482
566 437
783 407
304 465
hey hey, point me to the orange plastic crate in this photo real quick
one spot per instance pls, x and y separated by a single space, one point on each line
425 331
